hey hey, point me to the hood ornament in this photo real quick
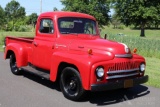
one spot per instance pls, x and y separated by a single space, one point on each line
125 47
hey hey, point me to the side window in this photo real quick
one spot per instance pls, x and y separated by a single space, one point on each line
46 26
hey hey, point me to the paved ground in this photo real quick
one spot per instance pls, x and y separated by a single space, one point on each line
31 91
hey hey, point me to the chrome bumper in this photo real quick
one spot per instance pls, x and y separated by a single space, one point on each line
119 84
4 47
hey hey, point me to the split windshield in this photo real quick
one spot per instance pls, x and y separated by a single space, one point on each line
75 25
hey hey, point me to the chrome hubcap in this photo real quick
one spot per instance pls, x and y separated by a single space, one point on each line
72 84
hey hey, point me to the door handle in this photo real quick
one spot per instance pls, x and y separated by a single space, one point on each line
35 43
80 46
53 47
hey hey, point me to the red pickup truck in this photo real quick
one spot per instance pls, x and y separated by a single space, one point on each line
68 48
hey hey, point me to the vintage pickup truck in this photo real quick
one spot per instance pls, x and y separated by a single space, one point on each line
67 48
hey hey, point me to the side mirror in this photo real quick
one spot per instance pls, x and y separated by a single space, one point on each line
105 36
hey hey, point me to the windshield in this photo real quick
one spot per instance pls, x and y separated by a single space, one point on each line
68 25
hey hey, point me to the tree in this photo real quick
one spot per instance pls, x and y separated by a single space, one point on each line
137 12
32 19
2 18
14 11
98 8
55 9
115 21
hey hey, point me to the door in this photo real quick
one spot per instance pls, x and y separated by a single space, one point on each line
43 44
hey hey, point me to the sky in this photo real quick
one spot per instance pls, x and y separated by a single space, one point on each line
33 6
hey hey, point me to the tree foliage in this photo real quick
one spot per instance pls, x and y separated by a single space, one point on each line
2 18
32 19
115 22
55 9
138 12
98 8
14 11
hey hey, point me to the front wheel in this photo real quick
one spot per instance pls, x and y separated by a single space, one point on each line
13 65
70 84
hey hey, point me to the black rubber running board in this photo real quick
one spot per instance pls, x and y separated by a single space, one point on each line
42 73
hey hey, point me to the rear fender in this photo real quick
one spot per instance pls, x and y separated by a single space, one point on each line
20 53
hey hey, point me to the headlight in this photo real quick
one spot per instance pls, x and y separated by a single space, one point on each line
99 72
142 67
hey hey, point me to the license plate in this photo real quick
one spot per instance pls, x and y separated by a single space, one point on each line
128 83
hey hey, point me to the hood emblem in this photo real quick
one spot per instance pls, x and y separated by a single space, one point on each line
125 47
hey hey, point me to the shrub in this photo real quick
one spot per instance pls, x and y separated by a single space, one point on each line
22 29
121 27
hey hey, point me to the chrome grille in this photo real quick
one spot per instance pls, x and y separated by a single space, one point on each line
122 70
123 66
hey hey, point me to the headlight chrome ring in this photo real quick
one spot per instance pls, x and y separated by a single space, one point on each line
99 72
142 67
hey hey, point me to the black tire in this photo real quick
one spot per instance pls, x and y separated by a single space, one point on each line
71 85
13 65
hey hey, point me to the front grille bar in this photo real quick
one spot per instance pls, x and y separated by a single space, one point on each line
123 55
122 71
121 76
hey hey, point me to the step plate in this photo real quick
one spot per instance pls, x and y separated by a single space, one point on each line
41 73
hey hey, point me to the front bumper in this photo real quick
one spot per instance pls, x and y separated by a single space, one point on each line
119 84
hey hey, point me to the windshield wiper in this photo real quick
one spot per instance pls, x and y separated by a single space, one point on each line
69 33
64 32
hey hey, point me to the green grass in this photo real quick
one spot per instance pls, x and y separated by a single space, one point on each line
17 34
153 70
150 34
1 49
147 46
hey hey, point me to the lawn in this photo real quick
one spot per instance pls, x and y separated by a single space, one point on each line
150 34
148 47
153 70
4 34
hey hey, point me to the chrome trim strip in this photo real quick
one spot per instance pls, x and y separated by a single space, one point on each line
121 76
59 45
123 55
122 71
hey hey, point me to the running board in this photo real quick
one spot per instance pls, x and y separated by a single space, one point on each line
39 72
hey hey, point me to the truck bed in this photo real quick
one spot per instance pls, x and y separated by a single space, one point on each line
25 39
21 42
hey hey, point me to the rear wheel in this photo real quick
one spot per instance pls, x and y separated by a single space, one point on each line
13 65
70 84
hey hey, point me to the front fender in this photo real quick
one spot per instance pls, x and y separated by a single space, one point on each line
83 64
20 53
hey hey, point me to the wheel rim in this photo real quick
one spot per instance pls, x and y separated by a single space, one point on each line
13 64
71 84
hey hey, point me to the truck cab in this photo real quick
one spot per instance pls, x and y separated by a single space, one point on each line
68 49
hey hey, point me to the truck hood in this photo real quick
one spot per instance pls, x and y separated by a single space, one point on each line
97 44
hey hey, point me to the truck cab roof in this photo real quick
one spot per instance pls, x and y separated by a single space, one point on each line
66 14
